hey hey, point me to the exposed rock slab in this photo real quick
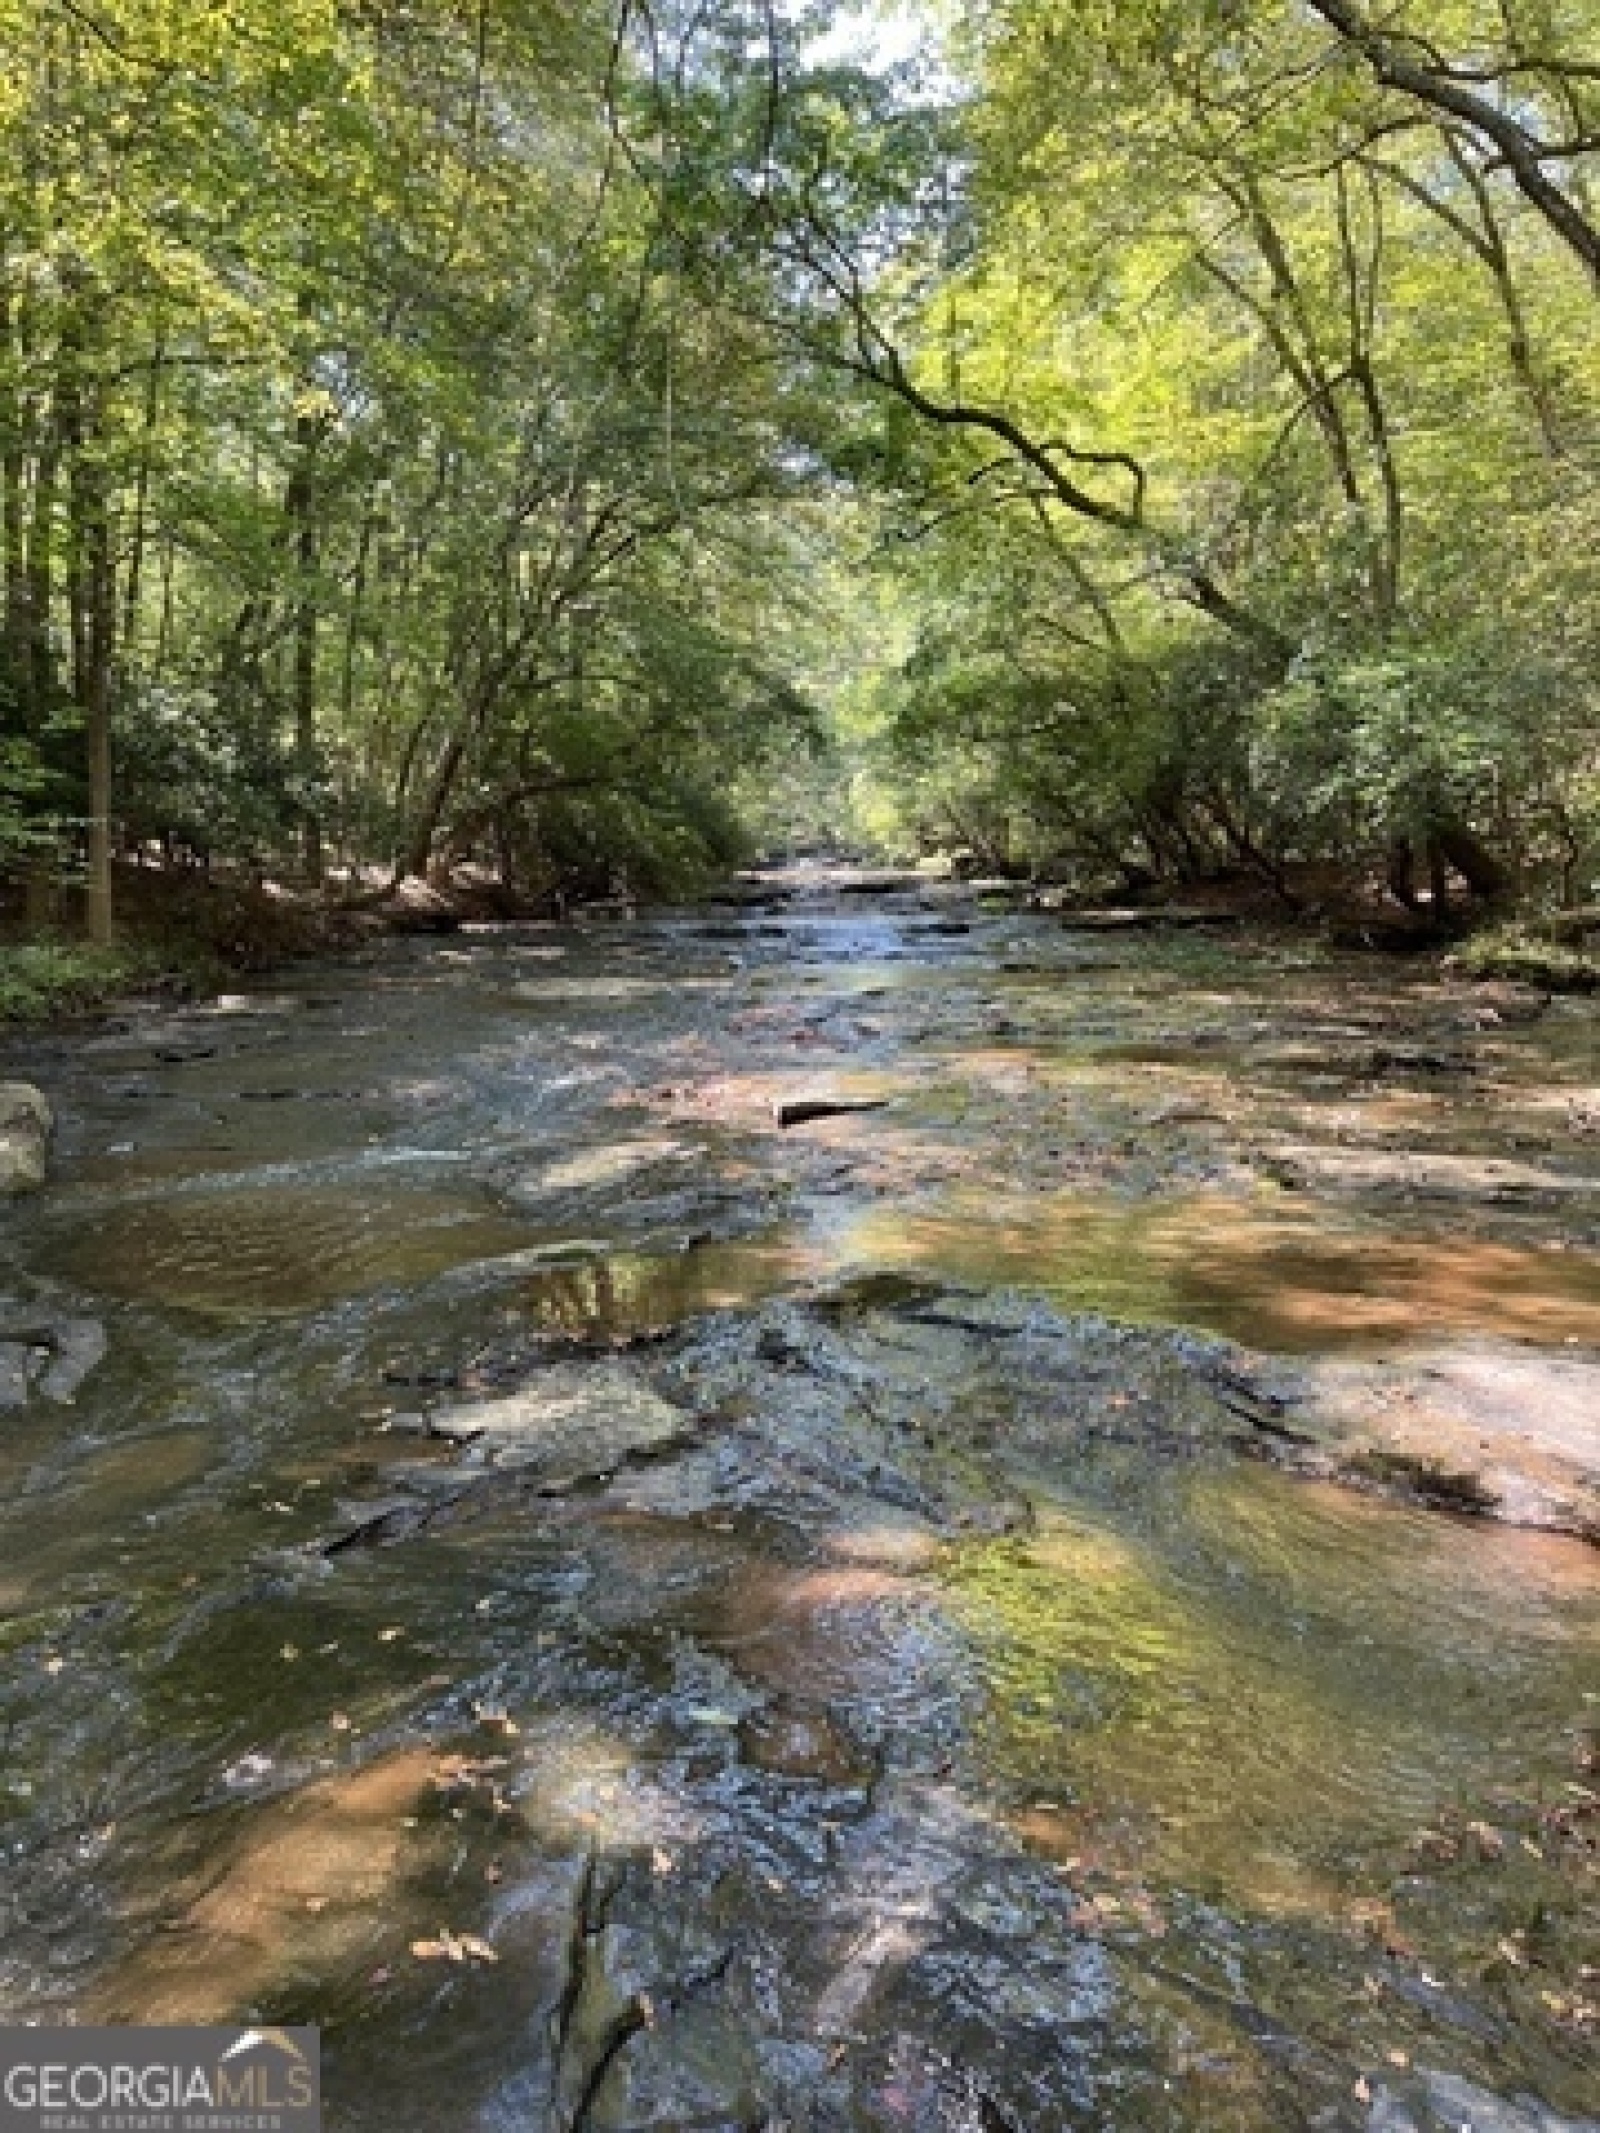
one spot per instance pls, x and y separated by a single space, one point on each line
15 1367
1421 1172
78 1346
1520 1425
1436 2102
572 1424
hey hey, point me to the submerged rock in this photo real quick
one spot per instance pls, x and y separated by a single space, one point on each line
1507 1004
15 1362
791 1742
41 1352
26 1124
78 1346
1444 2103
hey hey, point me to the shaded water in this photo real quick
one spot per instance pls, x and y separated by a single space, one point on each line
243 1249
954 1731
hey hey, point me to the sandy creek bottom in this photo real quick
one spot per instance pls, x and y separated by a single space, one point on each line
1003 1695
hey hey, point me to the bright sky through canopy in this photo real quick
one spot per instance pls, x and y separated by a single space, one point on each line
877 36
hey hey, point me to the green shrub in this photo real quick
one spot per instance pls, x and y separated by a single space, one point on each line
1515 954
42 979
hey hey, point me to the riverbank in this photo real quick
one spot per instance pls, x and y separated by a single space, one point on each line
186 933
632 1614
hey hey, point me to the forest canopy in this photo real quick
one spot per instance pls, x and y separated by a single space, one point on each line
1126 442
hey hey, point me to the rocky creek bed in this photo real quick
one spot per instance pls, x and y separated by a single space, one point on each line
861 1510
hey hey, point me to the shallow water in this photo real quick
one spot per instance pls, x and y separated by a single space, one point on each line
247 1249
1275 1680
1275 1277
954 1731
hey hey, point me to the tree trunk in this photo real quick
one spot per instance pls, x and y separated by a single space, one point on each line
14 512
96 596
41 664
1438 881
1399 873
91 602
301 504
1485 875
419 850
94 635
1431 84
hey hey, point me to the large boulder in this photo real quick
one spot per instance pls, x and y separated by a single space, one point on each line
26 1124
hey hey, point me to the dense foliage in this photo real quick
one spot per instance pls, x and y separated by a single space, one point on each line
441 429
1227 373
370 490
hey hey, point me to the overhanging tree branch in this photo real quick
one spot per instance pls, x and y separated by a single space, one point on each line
872 357
1522 153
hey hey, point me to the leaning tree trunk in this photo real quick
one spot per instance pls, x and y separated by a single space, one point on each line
1487 877
425 829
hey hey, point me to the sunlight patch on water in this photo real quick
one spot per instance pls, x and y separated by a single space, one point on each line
582 1785
1295 1281
310 1885
1267 1684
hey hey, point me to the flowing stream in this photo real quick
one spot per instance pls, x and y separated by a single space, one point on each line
1059 1596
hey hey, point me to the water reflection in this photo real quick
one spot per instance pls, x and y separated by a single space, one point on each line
781 1651
627 1294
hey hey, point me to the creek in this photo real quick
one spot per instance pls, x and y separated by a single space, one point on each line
1064 1599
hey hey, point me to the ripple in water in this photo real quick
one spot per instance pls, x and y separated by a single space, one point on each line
269 1250
1261 1687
